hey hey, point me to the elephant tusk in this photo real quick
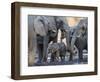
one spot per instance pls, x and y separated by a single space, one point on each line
54 30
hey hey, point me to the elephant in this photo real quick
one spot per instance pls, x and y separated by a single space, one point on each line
31 42
79 38
57 51
76 36
44 29
41 30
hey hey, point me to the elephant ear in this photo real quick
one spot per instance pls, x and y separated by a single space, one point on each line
39 26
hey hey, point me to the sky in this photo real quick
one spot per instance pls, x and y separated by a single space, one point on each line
72 21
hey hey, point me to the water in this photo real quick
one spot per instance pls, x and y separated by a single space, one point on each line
66 62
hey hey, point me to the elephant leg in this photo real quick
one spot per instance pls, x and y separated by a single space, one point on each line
79 44
63 58
40 52
30 53
69 46
80 55
71 56
31 49
52 58
57 56
45 46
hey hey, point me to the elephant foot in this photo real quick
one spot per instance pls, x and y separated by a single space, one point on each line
62 60
39 62
80 61
70 59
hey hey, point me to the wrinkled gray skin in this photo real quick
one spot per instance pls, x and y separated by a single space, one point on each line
78 37
42 30
74 36
57 51
31 41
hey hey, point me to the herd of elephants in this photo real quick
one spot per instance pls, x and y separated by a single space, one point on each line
43 36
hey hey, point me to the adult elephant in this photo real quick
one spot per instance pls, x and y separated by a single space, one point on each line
31 41
41 30
79 38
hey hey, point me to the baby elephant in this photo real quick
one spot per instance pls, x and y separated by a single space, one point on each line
57 51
